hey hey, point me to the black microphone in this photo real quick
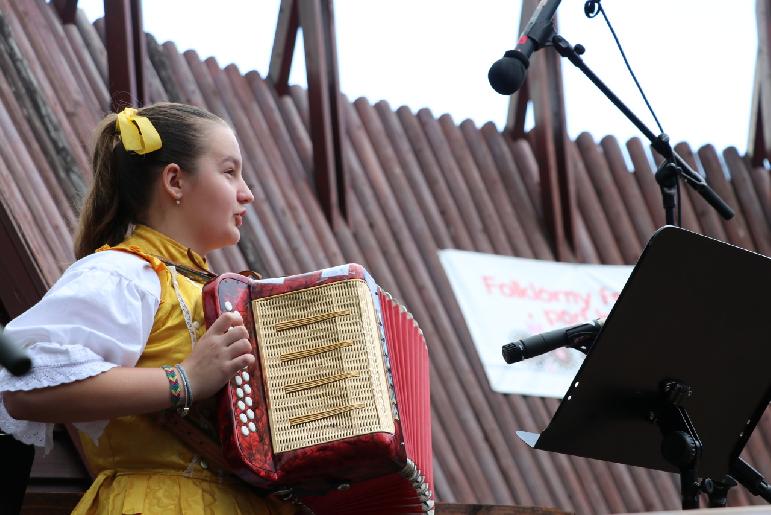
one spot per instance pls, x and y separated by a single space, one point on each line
13 357
507 74
579 336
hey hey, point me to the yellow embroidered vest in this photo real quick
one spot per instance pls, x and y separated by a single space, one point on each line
137 463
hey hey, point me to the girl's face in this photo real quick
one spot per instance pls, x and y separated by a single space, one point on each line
214 198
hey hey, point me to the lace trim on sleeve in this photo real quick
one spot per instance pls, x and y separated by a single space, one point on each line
54 364
40 434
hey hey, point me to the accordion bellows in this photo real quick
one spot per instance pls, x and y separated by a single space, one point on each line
336 411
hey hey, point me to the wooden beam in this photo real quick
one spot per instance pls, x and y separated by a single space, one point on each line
126 51
316 19
543 87
67 10
283 46
336 110
23 283
759 136
518 105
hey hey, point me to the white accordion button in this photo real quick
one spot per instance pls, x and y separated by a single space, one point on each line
247 389
228 305
250 414
239 381
241 405
252 426
248 401
243 418
239 393
245 375
245 430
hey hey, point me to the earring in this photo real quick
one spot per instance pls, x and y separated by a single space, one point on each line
178 201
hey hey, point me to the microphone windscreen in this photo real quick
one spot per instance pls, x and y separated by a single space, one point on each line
506 75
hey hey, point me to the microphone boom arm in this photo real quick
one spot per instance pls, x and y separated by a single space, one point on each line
659 143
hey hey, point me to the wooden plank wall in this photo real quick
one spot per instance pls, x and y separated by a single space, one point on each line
418 183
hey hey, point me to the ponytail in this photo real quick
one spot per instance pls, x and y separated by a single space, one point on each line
101 220
123 180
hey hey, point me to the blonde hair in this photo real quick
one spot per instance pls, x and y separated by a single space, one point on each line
123 181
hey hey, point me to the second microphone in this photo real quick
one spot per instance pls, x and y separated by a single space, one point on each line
578 337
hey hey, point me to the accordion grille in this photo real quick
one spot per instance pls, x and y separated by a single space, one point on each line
322 360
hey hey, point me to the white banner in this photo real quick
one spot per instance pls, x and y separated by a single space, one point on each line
505 299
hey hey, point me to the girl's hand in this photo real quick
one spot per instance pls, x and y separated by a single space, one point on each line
218 355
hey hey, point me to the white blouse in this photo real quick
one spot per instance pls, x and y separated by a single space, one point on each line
97 316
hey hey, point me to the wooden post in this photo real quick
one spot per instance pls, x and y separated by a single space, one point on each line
316 19
543 87
126 50
67 10
283 46
759 144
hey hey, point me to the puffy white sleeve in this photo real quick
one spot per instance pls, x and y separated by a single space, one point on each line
97 316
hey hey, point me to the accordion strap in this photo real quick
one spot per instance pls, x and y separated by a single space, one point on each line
200 274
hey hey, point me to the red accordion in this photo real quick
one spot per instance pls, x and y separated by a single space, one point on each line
336 410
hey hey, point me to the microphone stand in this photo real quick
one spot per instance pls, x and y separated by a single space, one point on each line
673 167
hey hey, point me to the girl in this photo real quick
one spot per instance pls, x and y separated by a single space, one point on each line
121 335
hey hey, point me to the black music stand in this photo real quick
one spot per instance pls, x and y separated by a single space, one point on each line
682 360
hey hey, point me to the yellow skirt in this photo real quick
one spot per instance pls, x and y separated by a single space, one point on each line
171 493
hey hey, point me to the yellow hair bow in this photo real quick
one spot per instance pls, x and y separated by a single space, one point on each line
137 132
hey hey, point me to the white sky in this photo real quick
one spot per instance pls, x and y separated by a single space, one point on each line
695 59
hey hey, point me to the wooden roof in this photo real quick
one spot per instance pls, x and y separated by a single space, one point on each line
418 183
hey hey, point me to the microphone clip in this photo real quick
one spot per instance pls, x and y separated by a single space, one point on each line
592 8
